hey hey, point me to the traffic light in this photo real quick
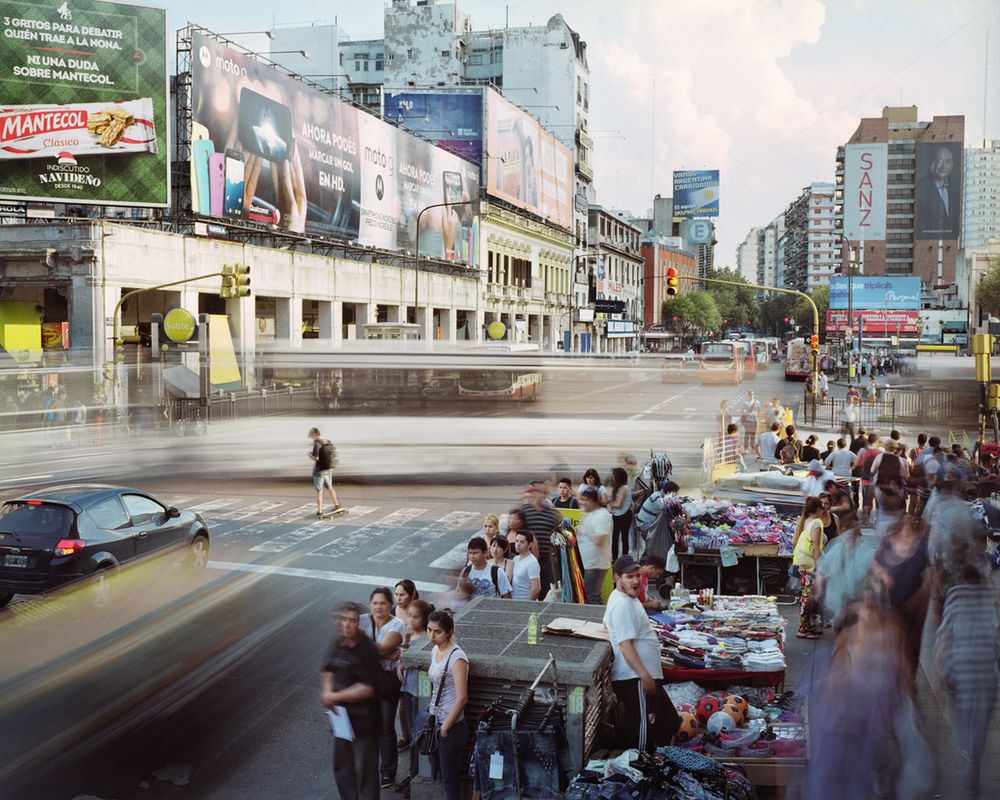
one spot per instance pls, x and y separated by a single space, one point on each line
235 281
672 282
814 343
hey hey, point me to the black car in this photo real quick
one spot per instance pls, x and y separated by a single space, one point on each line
68 533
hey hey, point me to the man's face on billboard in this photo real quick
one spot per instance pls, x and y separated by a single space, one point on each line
942 164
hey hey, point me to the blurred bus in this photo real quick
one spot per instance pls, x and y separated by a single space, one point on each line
723 362
797 360
500 382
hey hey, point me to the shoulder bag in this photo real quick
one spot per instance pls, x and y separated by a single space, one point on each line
426 740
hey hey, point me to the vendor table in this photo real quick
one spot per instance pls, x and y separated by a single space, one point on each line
712 558
775 679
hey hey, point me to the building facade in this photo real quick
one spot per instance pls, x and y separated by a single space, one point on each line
807 254
613 243
746 256
903 252
981 205
767 251
660 253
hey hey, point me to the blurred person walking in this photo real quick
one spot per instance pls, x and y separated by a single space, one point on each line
324 457
807 546
405 593
348 681
417 616
541 518
749 414
594 540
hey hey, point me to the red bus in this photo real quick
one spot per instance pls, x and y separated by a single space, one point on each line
797 360
722 362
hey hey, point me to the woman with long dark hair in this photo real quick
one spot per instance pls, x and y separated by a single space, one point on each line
405 593
621 511
592 479
449 674
387 632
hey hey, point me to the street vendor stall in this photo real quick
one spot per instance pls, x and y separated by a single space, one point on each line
722 532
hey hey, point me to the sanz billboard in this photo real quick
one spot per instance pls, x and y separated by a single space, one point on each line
696 193
865 171
453 120
938 201
525 164
269 149
876 292
83 103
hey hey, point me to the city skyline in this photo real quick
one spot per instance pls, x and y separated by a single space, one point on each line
768 105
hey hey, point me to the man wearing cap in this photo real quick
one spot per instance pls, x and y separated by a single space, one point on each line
636 674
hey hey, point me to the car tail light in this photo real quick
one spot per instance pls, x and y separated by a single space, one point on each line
68 547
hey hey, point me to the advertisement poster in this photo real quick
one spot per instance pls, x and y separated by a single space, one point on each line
454 120
875 322
83 103
882 292
865 167
269 149
938 199
696 193
526 165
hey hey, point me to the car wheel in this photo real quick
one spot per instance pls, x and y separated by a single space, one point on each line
197 555
5 598
100 587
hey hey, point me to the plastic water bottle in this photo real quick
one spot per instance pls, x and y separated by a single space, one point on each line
533 628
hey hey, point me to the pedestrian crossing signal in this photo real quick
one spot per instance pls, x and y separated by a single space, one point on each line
235 281
672 282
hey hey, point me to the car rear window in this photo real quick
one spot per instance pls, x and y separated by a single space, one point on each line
39 519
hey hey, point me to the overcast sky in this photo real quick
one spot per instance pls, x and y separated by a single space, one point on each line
762 90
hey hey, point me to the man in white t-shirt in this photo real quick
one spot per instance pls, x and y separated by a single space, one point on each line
527 571
593 537
841 460
637 674
767 443
484 579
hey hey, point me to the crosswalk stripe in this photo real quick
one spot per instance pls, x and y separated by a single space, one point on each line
454 558
412 543
263 526
245 512
323 575
288 540
347 544
214 504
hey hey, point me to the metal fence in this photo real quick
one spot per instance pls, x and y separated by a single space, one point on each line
829 414
935 405
243 405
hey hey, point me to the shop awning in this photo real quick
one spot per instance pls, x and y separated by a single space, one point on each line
21 330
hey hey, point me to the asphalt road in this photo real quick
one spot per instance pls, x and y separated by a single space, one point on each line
207 687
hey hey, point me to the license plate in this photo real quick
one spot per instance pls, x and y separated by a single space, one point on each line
15 561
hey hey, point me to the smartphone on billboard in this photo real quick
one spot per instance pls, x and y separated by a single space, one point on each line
216 183
265 126
233 204
452 184
201 149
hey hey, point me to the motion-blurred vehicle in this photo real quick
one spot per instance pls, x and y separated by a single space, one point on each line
679 368
74 533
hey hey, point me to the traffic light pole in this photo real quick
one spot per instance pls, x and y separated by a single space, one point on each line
815 310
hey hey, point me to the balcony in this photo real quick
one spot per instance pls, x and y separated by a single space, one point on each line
585 170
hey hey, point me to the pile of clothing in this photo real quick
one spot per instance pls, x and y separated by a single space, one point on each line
735 633
716 523
671 773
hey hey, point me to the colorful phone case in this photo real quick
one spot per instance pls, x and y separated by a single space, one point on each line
216 182
201 150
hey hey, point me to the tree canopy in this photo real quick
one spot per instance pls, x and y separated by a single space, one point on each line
988 291
695 311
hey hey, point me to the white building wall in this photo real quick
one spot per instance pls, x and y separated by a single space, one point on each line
746 256
981 209
420 46
823 253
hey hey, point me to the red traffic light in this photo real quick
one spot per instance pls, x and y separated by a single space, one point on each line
786 319
672 281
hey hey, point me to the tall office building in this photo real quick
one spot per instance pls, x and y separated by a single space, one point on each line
922 194
746 256
982 196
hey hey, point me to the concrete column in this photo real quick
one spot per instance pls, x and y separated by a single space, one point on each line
448 327
324 320
243 328
336 320
425 319
288 320
86 320
396 314
479 322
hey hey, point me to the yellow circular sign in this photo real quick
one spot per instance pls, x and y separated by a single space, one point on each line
178 325
496 330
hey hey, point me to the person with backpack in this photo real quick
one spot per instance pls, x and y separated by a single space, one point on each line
324 457
789 449
864 464
486 580
890 472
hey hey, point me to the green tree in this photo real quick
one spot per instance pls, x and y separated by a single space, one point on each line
988 291
735 303
707 316
695 311
773 310
803 311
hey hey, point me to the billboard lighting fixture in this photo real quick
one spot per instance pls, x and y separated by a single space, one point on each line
302 53
268 34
